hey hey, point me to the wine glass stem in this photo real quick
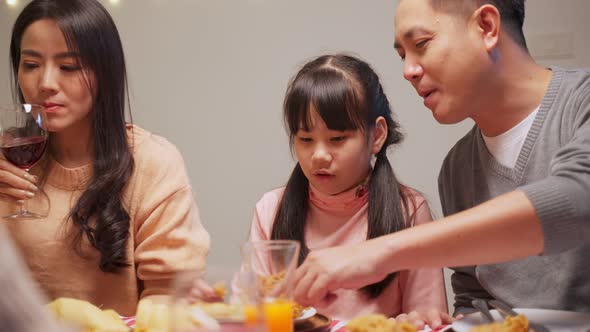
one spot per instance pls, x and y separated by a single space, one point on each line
23 208
22 203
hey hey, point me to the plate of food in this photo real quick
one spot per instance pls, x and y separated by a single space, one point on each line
554 320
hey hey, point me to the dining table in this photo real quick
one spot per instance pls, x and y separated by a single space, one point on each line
335 326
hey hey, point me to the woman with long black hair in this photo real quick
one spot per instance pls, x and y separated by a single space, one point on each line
122 218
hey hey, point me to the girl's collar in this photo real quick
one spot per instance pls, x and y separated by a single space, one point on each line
348 201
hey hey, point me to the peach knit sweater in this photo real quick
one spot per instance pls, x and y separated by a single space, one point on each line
165 234
340 220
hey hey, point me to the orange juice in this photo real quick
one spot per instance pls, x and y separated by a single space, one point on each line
251 315
279 316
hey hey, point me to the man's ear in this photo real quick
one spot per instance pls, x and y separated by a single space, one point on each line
488 22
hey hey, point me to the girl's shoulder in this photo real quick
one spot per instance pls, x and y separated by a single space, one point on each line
270 200
418 209
265 212
414 197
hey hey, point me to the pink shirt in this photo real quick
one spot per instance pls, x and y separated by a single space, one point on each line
340 220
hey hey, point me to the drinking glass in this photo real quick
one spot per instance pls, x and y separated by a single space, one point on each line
273 263
236 309
23 140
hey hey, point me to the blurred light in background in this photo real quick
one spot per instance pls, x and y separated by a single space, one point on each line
114 2
11 2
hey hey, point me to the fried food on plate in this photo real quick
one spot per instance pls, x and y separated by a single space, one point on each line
86 316
511 324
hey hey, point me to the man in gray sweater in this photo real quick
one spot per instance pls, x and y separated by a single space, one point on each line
515 190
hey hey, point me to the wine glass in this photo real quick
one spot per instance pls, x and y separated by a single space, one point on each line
23 140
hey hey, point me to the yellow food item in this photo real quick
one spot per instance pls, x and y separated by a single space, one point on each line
222 310
158 317
150 317
493 327
511 324
220 289
377 323
297 310
269 282
87 316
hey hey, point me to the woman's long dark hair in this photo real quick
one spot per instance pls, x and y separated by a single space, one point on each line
90 31
347 94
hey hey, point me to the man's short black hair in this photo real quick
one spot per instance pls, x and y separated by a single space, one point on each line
511 13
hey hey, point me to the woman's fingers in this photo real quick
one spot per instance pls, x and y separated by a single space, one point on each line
9 199
11 194
15 183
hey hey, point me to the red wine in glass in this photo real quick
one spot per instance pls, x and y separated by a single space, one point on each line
25 152
23 141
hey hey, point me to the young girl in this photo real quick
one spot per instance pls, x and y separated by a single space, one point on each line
343 189
122 218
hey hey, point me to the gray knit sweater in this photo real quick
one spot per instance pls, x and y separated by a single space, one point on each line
553 170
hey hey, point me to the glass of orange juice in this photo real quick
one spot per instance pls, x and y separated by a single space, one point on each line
273 263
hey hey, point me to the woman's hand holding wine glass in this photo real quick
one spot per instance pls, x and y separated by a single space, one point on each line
23 141
15 183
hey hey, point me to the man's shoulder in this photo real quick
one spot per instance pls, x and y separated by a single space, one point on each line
462 148
576 74
568 97
577 79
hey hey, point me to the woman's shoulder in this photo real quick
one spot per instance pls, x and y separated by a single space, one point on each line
145 144
154 155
